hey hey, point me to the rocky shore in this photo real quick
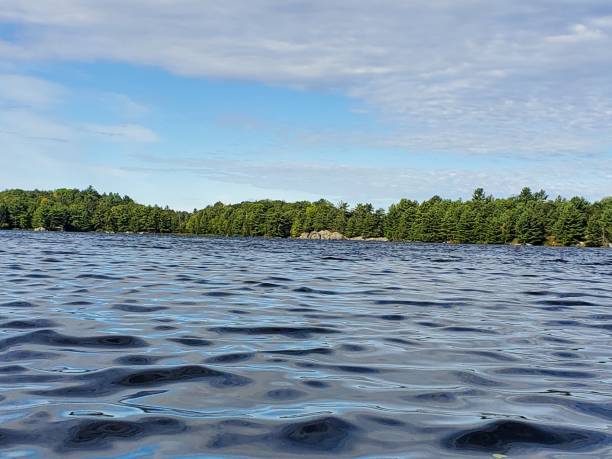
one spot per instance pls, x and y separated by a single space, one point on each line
327 235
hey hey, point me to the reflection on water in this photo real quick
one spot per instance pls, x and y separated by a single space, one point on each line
150 346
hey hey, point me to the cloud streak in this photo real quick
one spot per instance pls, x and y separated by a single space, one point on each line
475 76
25 90
122 132
379 184
27 113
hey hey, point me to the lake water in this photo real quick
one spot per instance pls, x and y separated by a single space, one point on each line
150 346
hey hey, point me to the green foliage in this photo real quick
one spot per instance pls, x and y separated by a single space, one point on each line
86 210
4 216
365 222
599 225
606 225
399 221
530 228
529 218
570 225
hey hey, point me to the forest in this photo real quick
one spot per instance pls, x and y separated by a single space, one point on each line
526 218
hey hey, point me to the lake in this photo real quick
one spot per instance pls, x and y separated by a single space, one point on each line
138 346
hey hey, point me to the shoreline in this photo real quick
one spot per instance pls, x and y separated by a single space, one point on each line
525 218
346 239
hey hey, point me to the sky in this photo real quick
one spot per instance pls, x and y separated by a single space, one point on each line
189 102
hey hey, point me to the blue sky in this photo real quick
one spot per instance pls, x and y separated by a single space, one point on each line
190 102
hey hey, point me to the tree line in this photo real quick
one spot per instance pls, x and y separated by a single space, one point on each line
526 218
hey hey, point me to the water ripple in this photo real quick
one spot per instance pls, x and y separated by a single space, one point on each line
163 346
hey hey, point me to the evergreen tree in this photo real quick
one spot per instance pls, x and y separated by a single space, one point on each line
528 217
5 216
465 232
570 225
40 217
606 225
530 226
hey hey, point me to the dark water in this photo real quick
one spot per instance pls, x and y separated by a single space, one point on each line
143 346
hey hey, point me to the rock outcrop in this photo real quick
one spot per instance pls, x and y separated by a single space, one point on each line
327 235
324 235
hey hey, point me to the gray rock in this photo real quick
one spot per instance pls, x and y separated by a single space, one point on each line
327 235
323 235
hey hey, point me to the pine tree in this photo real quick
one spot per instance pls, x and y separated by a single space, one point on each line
606 225
530 226
5 216
570 225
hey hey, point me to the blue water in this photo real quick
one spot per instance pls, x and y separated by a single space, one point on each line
160 346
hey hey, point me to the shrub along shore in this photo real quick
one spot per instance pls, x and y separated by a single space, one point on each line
526 218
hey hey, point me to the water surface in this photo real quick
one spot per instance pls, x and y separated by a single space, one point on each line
152 346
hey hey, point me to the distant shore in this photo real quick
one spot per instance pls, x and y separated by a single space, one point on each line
299 238
528 218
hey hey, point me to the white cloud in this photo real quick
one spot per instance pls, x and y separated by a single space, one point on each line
124 105
27 115
578 33
382 185
27 90
29 126
603 21
471 76
121 132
